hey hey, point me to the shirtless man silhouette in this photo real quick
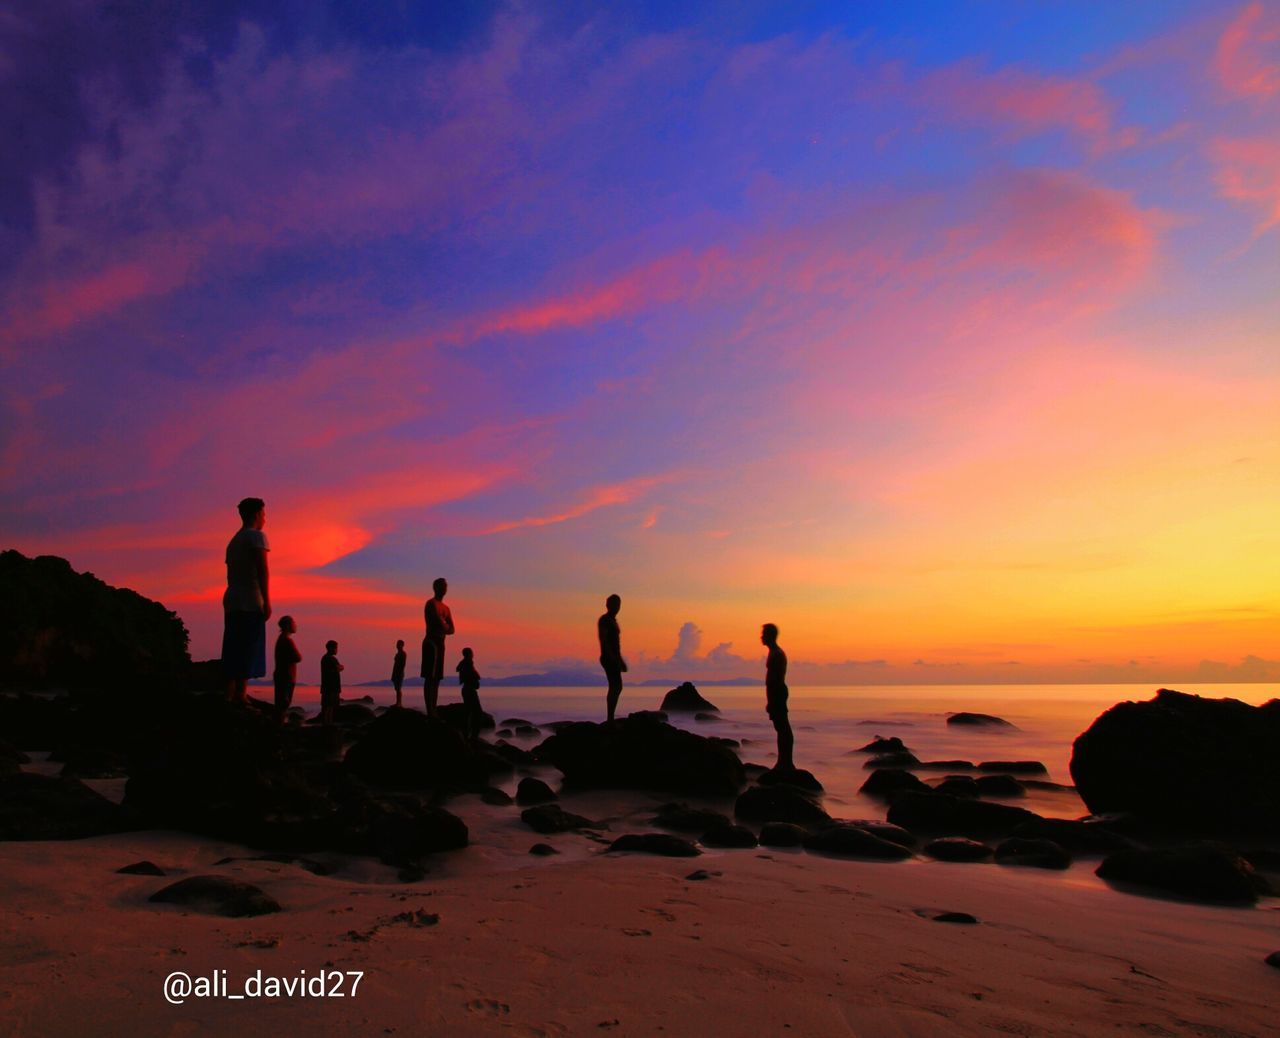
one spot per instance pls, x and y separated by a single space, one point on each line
439 624
611 651
775 692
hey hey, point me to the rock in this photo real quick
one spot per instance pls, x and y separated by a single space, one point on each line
63 629
552 818
795 777
1273 959
316 868
958 786
685 819
515 722
457 714
884 830
353 713
217 895
955 917
944 765
407 750
887 783
528 730
782 834
729 835
542 850
686 699
892 760
141 868
999 786
1088 837
851 841
640 715
881 745
720 740
1184 763
698 874
495 796
534 791
707 717
1037 853
965 719
1200 872
655 843
402 835
957 848
41 807
778 804
1014 767
513 754
642 753
951 816
94 762
11 759
504 733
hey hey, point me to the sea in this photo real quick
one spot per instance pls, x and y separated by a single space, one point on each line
832 723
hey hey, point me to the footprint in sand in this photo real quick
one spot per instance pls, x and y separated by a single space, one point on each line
488 1007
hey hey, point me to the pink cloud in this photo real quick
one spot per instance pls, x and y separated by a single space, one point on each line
593 500
1248 171
1247 58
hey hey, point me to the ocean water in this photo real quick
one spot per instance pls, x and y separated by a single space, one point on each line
831 722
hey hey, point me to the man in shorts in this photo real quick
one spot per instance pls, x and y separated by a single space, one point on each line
775 692
439 622
611 652
246 605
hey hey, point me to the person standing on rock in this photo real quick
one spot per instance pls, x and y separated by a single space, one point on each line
397 671
611 652
775 693
439 625
285 675
246 605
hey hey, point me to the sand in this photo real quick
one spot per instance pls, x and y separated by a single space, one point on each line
772 942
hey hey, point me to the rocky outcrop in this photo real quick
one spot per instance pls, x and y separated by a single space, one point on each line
1184 763
1200 872
937 813
686 699
966 719
40 807
408 750
778 804
642 753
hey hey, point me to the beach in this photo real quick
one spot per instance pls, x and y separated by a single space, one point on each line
767 940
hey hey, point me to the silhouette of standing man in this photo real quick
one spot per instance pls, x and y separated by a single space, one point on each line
775 692
246 604
611 651
439 625
397 671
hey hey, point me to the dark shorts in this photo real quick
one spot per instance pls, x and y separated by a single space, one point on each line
613 674
776 704
284 693
244 644
432 660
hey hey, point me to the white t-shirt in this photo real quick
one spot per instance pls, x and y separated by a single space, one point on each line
244 593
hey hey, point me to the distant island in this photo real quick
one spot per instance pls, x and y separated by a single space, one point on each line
572 679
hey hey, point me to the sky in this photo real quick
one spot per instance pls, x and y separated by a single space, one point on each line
944 335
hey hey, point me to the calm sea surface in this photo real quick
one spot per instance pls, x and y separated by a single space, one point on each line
831 722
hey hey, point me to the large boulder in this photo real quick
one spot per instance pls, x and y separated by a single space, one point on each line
1201 872
408 750
642 753
937 813
778 804
686 700
60 628
968 719
40 807
852 841
1185 763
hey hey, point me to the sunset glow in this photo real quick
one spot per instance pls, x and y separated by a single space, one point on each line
946 337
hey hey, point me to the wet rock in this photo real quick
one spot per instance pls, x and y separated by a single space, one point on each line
887 783
729 835
798 778
882 745
457 715
1078 836
534 791
957 848
644 715
642 753
353 713
892 760
686 699
958 786
495 796
41 807
685 819
778 804
1184 763
951 816
1014 767
401 835
513 754
655 843
966 719
217 895
515 722
552 818
720 740
707 717
1200 872
1037 853
999 786
408 750
782 834
504 733
877 827
141 868
698 874
850 841
542 850
945 765
528 730
1273 959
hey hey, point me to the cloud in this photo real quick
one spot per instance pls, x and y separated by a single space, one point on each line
1247 58
1248 172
